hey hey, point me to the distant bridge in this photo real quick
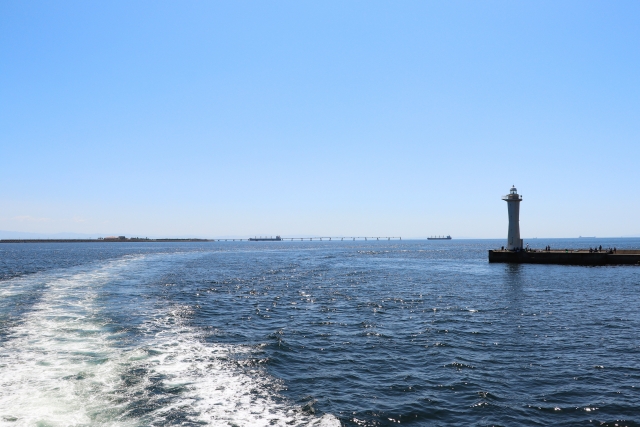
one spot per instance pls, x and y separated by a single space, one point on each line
301 239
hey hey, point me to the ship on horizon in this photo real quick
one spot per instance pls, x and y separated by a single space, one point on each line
265 239
439 238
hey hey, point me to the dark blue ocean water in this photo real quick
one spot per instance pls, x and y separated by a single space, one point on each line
314 333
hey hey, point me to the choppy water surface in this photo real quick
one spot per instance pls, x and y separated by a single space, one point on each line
314 334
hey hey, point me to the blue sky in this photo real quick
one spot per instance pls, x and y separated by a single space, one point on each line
409 118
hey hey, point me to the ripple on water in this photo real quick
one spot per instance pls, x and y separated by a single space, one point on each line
62 365
419 333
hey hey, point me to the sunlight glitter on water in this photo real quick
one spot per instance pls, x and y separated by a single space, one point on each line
63 366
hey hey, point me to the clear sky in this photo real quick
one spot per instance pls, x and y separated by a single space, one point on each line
403 118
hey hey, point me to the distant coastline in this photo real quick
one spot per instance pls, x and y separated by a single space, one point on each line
105 240
122 239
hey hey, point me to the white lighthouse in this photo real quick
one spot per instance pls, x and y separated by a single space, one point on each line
513 200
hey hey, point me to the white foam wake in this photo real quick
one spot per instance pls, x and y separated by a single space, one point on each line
61 365
57 365
216 389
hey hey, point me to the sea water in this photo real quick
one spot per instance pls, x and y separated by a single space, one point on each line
369 333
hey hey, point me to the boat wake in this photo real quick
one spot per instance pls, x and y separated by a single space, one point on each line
66 363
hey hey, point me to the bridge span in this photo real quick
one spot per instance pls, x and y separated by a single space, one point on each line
320 239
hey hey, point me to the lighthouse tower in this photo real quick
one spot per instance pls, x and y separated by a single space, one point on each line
513 200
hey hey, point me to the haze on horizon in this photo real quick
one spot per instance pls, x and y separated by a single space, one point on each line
329 118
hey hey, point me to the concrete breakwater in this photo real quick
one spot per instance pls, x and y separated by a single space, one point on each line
566 257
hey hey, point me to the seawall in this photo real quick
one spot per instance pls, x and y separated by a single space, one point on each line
567 257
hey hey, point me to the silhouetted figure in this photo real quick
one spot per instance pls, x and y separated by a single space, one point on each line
600 248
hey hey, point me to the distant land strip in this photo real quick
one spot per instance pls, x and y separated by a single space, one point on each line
122 239
133 239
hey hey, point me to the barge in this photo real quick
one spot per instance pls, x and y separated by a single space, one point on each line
265 239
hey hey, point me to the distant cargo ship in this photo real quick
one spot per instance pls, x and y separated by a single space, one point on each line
265 239
439 238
